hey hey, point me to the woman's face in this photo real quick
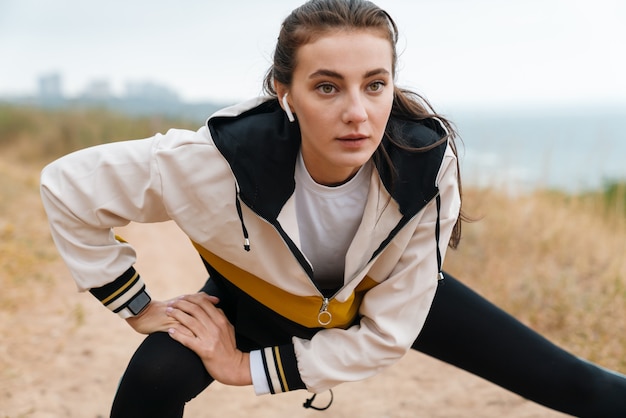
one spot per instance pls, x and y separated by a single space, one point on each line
341 93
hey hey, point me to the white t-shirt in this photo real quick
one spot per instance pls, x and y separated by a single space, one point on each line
328 218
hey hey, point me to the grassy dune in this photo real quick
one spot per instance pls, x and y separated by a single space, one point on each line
29 138
555 261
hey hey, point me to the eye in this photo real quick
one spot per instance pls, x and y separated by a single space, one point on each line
326 88
376 86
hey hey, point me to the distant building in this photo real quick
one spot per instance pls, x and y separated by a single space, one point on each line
50 87
98 90
149 91
142 98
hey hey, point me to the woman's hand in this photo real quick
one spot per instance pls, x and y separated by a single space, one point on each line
153 319
203 328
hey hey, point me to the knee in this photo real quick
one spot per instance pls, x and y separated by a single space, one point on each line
600 392
162 361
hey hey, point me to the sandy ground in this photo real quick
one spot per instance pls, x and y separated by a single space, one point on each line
62 356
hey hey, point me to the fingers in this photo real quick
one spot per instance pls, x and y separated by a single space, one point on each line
197 305
205 329
183 336
157 316
196 314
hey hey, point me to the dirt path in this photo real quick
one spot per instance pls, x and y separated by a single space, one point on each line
63 355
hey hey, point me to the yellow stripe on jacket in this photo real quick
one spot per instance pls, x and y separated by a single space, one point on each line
303 310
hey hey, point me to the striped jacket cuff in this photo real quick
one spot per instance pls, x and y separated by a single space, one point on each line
126 295
281 369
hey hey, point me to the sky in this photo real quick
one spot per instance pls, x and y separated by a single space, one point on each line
454 52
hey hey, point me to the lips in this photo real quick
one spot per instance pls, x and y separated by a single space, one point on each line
352 137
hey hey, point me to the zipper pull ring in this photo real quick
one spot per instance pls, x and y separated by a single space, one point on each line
324 317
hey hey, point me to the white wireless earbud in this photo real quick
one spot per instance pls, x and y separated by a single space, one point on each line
287 108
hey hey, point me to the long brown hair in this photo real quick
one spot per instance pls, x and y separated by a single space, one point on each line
318 17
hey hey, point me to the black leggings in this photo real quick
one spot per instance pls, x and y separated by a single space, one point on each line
462 329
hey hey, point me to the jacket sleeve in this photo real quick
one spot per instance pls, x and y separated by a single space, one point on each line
88 193
392 313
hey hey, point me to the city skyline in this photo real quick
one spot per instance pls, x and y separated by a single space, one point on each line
51 85
477 52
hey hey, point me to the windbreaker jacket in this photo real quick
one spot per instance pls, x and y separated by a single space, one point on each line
230 187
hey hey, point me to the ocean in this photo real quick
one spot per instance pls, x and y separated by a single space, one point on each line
566 149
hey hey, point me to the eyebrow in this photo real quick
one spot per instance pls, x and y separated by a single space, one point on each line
330 73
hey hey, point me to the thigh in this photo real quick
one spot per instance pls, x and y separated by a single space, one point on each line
160 378
466 330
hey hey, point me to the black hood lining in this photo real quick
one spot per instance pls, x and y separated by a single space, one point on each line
261 146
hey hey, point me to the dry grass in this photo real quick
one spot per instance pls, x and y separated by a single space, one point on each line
25 246
554 261
34 135
29 138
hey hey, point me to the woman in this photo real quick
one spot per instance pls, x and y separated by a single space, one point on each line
322 213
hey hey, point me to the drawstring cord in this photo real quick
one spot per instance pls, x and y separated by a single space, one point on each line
246 240
309 402
437 229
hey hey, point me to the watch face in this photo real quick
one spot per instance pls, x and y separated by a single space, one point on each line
139 303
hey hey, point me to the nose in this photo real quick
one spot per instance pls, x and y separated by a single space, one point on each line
355 111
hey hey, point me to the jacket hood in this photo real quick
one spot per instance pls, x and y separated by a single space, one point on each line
261 146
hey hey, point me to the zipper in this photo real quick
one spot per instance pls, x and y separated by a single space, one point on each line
324 317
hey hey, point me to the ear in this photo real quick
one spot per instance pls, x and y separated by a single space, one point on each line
282 91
